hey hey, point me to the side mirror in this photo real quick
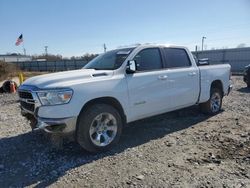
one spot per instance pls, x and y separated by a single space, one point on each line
204 61
131 67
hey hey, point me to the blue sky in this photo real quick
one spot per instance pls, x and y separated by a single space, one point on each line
77 27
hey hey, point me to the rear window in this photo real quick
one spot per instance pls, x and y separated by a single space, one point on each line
176 58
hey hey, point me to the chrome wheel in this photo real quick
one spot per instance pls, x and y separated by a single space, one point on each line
215 103
103 129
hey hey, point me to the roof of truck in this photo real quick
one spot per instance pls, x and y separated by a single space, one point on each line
151 45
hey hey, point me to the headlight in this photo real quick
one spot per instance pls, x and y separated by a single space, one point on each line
55 97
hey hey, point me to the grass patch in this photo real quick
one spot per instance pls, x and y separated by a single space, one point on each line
8 70
31 74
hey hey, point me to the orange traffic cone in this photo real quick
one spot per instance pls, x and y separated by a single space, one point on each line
12 87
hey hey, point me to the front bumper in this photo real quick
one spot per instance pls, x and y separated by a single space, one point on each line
30 106
51 125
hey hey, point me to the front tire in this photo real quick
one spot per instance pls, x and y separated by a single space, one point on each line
213 105
99 128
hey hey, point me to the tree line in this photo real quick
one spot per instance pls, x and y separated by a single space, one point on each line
51 57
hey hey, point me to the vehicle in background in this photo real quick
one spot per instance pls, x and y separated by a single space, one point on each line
246 75
119 87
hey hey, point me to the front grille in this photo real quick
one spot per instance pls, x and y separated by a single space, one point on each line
25 95
28 106
26 99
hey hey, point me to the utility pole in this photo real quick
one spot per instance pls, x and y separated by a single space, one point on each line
104 47
46 51
196 50
24 51
202 43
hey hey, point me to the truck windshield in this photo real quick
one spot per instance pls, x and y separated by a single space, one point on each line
110 60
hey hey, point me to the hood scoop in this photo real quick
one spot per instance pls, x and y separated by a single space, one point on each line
99 74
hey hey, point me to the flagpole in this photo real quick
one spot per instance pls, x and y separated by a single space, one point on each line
24 50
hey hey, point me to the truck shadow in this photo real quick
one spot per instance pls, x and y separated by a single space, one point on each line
29 160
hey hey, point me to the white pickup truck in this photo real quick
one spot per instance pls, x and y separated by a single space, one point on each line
121 86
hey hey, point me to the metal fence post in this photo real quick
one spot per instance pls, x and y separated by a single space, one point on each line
223 56
38 69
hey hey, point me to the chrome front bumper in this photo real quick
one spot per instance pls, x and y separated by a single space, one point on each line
62 125
51 125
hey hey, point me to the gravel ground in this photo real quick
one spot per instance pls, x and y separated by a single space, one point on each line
179 149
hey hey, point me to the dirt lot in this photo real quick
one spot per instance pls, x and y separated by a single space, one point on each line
178 149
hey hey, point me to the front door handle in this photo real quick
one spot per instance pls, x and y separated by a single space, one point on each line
162 77
192 73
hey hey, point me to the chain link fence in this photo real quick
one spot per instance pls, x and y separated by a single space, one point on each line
51 66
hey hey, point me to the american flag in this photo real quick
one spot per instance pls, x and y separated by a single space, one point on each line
19 40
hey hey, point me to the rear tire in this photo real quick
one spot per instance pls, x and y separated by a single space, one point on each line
99 128
213 105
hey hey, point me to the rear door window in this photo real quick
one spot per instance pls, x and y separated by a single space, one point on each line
176 58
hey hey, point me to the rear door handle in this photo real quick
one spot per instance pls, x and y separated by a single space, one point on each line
192 73
162 77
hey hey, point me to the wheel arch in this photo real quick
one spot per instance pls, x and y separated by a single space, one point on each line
217 84
206 106
109 101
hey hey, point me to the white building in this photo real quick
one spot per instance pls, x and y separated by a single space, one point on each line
15 58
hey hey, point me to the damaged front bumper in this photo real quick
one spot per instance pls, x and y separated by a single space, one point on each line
51 125
30 106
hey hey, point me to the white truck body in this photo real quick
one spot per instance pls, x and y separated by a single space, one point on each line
140 95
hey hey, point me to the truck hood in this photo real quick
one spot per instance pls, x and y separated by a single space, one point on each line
67 78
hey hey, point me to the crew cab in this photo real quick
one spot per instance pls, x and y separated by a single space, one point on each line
118 87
